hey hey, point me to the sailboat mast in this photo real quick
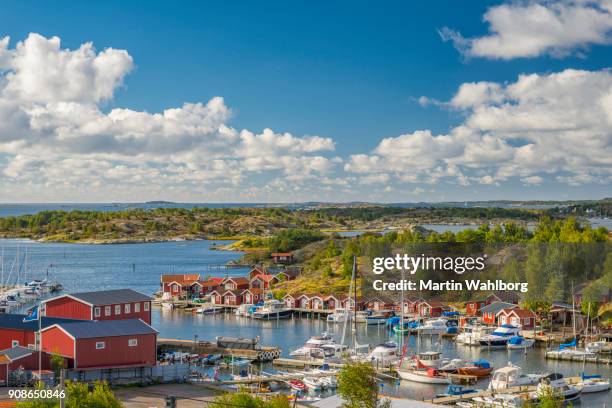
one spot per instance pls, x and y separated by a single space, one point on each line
355 302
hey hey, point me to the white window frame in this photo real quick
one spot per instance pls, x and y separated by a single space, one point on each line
107 310
132 342
136 307
117 310
100 345
14 343
127 308
146 306
97 311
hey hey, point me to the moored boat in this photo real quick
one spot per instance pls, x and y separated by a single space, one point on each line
519 342
271 310
478 368
512 376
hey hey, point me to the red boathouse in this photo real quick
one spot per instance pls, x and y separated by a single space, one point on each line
103 305
103 344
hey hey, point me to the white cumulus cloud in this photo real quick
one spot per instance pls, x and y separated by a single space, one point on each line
533 28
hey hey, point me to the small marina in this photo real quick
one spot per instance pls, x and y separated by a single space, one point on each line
184 332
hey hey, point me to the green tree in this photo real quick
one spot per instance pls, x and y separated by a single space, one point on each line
57 363
358 388
78 395
245 400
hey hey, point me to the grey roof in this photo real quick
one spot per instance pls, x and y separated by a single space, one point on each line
17 352
109 297
507 296
496 307
87 329
15 321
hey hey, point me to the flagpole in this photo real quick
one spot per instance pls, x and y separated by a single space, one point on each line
40 341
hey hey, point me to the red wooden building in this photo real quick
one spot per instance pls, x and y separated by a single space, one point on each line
290 301
235 283
263 281
472 308
178 285
102 344
489 312
103 305
252 295
15 332
431 308
282 257
19 357
232 297
522 318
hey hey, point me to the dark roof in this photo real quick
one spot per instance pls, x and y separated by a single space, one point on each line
496 307
109 297
87 329
15 321
507 296
17 352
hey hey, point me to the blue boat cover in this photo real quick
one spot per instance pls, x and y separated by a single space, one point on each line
482 363
586 377
393 321
451 330
450 314
515 340
567 345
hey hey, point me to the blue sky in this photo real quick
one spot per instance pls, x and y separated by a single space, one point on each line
348 72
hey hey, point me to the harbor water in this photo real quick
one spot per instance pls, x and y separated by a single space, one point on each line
82 267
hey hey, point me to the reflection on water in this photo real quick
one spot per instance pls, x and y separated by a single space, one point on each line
293 333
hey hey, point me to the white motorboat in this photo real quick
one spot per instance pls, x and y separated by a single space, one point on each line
519 342
471 335
432 327
555 384
243 309
384 355
512 376
208 308
593 383
500 336
339 316
312 347
314 384
272 309
595 346
167 305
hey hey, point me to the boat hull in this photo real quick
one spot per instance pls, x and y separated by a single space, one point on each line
415 376
475 371
281 314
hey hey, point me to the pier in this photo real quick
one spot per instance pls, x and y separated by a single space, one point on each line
261 353
554 355
512 390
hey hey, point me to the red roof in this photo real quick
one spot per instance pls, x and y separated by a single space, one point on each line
182 279
238 280
282 254
216 279
433 303
208 283
264 277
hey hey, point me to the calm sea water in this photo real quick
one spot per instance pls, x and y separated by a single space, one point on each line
95 267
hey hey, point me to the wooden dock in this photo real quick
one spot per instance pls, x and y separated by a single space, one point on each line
290 362
263 353
578 359
512 390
